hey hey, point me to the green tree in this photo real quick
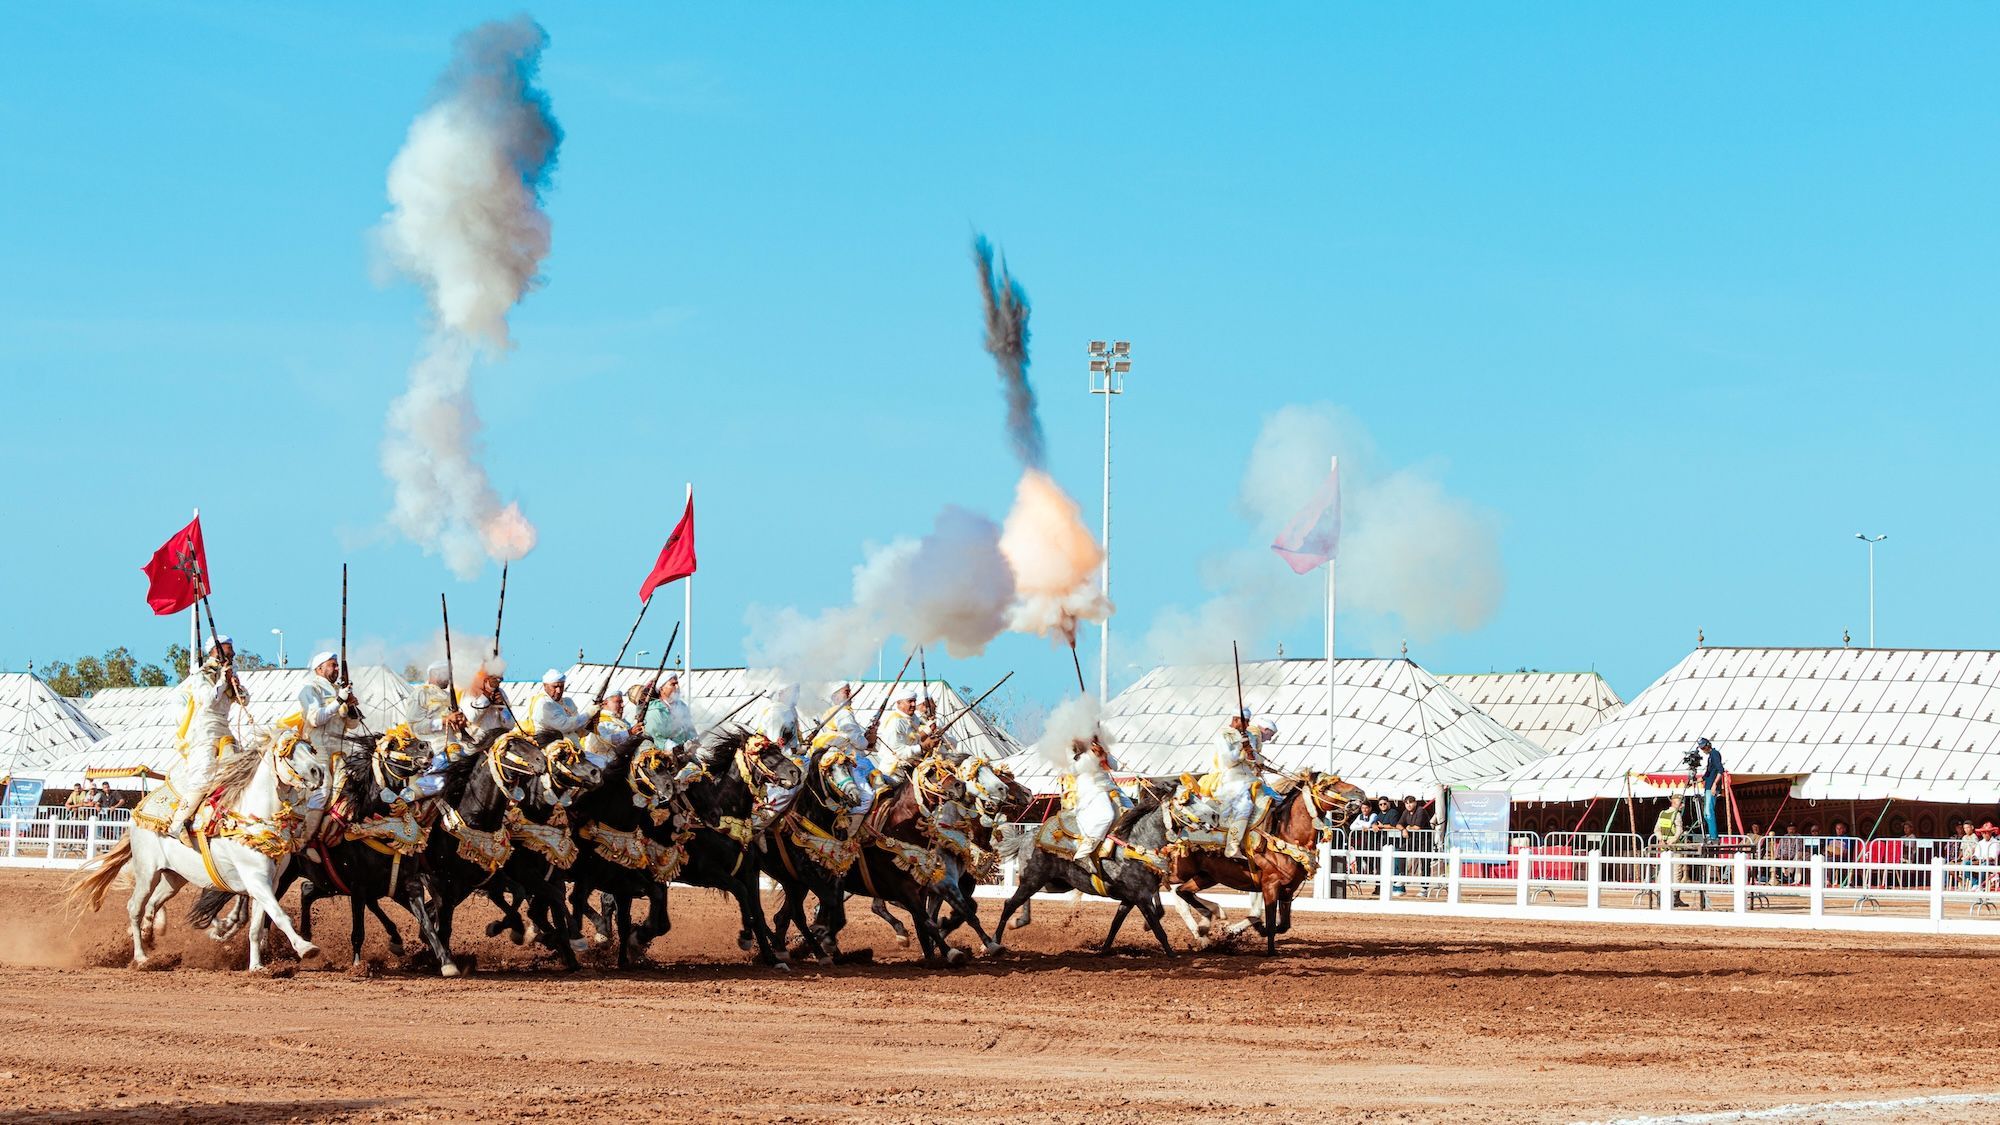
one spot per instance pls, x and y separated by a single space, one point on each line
118 668
177 660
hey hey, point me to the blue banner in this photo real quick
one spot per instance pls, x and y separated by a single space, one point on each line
1477 821
23 794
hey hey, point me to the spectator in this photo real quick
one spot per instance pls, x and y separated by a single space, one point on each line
1790 849
108 798
1367 818
1415 817
79 798
1962 854
1386 815
1988 852
1840 849
1753 846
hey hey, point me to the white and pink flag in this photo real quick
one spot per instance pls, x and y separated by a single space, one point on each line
1313 537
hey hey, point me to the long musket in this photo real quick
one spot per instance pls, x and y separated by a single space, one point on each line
1237 657
923 669
501 616
629 634
666 652
974 705
450 674
875 727
1078 664
346 677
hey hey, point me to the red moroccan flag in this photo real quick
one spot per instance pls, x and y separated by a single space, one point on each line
178 574
676 558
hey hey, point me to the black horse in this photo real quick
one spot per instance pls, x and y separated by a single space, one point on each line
1131 881
721 805
470 848
614 855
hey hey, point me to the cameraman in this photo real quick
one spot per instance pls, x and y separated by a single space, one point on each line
1711 775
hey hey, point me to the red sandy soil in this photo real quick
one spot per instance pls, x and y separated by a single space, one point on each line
1356 1019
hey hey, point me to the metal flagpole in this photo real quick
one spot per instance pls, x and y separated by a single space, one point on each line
194 623
1329 647
687 619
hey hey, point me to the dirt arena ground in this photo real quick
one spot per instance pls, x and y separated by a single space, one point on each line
1358 1019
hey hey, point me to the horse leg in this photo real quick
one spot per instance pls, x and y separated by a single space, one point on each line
1117 920
145 877
579 913
966 911
259 891
356 912
548 895
751 908
388 927
427 929
1151 911
1025 888
880 909
1270 918
621 906
509 921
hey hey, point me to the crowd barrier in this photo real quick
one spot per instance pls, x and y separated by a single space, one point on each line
61 837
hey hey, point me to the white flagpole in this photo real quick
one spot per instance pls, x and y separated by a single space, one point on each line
194 624
1330 750
687 619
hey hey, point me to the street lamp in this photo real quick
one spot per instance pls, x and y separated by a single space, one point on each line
280 634
1109 364
1871 540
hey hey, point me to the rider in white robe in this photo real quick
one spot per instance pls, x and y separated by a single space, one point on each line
668 721
610 735
845 746
438 726
326 713
551 711
209 693
1238 770
1093 793
487 709
896 745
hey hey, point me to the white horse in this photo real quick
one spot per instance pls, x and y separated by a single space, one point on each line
263 788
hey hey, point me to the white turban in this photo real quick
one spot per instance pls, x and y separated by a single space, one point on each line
553 677
323 658
907 695
438 673
1246 714
1264 724
218 640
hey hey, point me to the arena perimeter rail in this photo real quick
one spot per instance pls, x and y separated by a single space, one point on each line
1536 882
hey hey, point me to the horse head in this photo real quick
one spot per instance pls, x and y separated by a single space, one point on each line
569 771
1334 803
515 761
398 757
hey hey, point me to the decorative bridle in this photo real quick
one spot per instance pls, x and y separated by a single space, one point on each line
515 760
394 765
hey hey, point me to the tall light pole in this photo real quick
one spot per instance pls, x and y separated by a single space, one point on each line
1871 540
1109 364
280 634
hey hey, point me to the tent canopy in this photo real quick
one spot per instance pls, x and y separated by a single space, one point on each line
1397 729
1843 723
37 726
1549 709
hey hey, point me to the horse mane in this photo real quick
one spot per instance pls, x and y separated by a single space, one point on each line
360 777
458 775
232 775
1140 809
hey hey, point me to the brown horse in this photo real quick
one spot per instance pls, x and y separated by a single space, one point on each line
1281 859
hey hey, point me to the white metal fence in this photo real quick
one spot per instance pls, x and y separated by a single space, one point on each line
61 837
1819 883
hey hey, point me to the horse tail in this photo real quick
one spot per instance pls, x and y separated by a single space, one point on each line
94 880
208 907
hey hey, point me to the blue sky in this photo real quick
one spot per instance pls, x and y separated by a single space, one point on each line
1685 298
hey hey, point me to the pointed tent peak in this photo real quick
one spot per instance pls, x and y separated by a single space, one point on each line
37 725
1550 709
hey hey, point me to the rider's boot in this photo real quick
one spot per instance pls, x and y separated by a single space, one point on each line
1086 848
1234 829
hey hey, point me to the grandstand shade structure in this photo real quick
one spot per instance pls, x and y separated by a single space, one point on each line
37 726
1398 729
142 722
1549 709
712 693
1836 724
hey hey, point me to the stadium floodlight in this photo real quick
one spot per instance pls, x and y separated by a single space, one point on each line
280 634
1871 540
1107 378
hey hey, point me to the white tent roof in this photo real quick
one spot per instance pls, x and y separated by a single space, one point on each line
1398 729
1914 724
712 693
38 726
142 721
1549 709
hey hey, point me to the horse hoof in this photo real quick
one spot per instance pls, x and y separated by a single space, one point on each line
1017 923
956 957
449 970
525 934
309 952
361 970
396 947
494 927
578 945
744 943
903 940
995 949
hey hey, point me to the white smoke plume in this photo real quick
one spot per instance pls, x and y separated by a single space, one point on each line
466 223
952 587
1071 719
470 652
1412 557
1055 560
